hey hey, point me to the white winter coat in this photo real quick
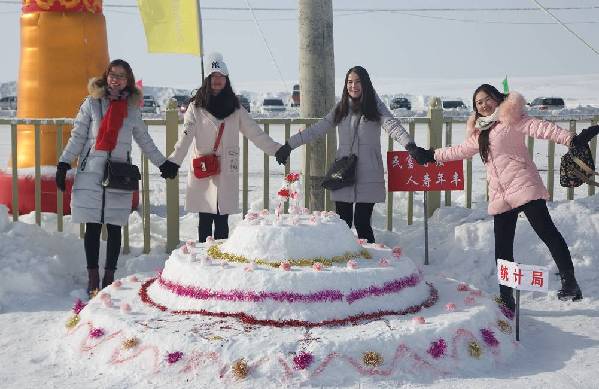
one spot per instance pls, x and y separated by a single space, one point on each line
201 129
90 201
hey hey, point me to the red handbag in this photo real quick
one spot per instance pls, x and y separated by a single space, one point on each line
208 165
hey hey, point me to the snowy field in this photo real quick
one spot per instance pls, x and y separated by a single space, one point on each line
43 272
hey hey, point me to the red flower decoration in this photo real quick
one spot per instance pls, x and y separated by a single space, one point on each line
292 177
283 192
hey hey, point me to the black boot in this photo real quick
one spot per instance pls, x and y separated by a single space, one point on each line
108 278
93 282
507 297
570 290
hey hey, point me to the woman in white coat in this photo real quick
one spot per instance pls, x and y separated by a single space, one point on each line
214 105
108 121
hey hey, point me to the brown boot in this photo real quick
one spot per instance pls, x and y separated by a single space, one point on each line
93 282
108 278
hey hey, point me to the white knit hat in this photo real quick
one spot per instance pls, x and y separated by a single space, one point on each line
215 63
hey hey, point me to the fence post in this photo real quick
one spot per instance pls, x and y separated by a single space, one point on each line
448 130
15 173
288 164
38 174
266 176
435 140
172 186
412 131
244 179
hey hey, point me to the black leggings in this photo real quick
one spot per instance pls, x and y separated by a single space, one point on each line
91 243
538 216
361 218
221 226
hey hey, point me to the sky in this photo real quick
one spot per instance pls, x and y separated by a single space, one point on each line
415 44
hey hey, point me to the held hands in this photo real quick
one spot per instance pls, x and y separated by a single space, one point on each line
283 153
61 175
168 169
585 136
421 155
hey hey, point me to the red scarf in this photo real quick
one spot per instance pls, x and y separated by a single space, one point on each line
111 124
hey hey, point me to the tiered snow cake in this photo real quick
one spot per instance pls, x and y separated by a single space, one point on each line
289 270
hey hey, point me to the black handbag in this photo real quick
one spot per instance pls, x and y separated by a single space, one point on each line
577 167
121 175
343 171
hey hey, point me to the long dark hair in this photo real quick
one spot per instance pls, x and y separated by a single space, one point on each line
367 100
204 95
483 138
103 82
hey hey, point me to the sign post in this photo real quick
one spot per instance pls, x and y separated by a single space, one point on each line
405 175
522 277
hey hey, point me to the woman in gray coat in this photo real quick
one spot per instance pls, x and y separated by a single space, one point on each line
108 120
359 117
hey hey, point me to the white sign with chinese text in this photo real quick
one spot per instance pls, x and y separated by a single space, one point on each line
523 277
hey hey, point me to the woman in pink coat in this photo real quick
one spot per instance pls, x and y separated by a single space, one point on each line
496 131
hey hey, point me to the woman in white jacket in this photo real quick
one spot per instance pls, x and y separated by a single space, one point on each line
215 104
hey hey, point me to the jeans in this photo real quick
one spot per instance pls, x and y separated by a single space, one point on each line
91 243
361 217
221 226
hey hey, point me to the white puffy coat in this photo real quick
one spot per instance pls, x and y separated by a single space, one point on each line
201 129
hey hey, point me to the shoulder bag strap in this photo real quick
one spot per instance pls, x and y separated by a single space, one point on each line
220 134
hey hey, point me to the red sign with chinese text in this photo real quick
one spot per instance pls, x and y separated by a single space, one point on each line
405 175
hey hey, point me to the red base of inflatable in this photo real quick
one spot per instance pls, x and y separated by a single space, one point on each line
26 187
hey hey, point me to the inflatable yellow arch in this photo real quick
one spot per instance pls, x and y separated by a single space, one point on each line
63 45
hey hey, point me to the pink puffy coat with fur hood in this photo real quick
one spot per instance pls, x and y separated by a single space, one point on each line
512 175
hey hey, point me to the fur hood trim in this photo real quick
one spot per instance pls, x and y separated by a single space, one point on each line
96 91
511 110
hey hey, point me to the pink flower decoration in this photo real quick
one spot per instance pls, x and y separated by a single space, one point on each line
302 360
294 195
249 267
133 278
362 241
469 300
185 249
79 305
418 320
117 284
125 308
331 214
317 266
450 307
190 243
462 287
264 212
351 264
107 302
174 357
384 262
323 213
437 348
305 211
476 293
209 239
286 266
104 296
295 220
380 245
313 219
96 332
316 213
397 251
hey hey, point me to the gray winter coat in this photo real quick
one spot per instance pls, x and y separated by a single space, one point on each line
90 201
370 180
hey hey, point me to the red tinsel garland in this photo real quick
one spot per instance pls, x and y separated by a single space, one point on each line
245 318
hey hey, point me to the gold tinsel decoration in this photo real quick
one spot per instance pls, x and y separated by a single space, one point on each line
474 350
504 326
72 321
240 368
372 358
130 343
215 338
215 252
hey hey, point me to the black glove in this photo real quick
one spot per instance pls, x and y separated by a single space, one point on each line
61 175
168 169
585 136
283 153
421 155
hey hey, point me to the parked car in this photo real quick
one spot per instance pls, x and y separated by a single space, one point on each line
400 102
454 104
270 105
545 103
295 96
150 105
245 103
182 102
8 102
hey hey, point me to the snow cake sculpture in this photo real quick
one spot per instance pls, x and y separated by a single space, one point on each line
293 298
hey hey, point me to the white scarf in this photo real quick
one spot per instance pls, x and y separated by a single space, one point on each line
485 123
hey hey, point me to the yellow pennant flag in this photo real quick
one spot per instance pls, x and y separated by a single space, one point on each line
171 26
